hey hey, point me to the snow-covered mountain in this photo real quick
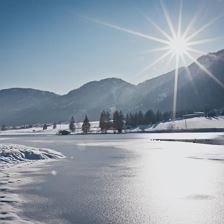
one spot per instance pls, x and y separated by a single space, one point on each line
196 91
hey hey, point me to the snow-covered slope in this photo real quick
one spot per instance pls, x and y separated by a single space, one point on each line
191 123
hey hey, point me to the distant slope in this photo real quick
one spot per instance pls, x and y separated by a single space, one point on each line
16 104
196 91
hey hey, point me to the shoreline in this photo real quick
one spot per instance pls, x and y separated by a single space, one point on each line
197 141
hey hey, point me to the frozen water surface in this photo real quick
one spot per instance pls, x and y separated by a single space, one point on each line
119 179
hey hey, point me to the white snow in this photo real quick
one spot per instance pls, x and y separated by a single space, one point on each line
186 136
191 123
14 160
14 154
182 124
50 131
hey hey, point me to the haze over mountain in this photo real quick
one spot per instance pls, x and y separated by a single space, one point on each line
196 91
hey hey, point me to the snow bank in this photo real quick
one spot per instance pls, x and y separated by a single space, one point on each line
15 160
14 154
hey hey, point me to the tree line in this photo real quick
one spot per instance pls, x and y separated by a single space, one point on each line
85 125
117 121
147 118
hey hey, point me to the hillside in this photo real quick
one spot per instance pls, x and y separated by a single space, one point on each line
196 91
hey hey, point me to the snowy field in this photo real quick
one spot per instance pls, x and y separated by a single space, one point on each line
14 160
191 123
122 179
50 130
184 124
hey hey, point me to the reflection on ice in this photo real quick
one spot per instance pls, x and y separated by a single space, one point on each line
126 179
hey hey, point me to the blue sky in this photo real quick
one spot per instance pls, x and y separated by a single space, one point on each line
56 45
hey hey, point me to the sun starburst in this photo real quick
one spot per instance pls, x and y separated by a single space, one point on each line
178 45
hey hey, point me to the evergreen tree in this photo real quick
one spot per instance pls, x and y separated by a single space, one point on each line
128 121
132 120
140 118
150 117
86 125
159 116
54 126
45 127
72 124
118 121
105 123
3 128
102 121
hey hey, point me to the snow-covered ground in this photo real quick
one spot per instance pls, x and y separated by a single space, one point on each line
50 131
182 124
190 123
15 154
14 160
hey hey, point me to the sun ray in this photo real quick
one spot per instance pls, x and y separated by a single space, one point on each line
203 68
194 50
135 33
168 20
186 68
190 25
178 44
165 34
154 63
175 87
203 28
170 60
203 41
180 18
158 49
189 74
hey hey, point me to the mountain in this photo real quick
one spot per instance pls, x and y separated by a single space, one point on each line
196 91
16 103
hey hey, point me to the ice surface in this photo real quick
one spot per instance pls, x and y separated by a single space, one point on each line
14 160
134 168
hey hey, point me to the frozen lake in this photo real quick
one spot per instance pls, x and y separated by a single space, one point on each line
124 179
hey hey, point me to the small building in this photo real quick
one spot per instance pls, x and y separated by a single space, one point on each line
195 114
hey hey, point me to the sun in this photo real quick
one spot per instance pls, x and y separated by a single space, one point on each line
178 46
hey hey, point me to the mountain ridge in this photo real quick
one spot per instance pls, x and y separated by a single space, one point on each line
210 54
195 92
